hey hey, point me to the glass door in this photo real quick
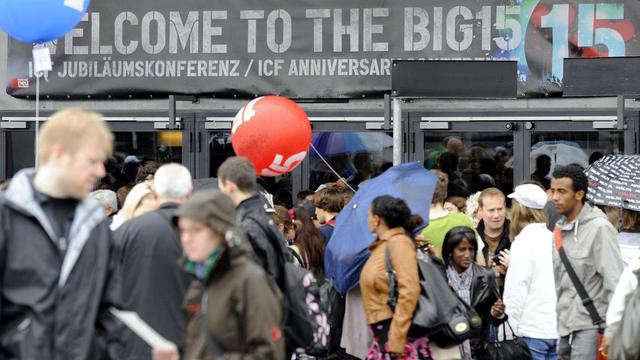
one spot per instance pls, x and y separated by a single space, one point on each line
138 140
580 141
474 154
213 147
355 146
143 143
478 151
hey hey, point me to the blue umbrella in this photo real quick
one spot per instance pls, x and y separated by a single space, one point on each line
348 248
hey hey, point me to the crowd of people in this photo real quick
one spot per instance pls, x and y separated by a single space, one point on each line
206 269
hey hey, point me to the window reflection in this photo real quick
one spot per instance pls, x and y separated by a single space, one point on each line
355 156
138 154
473 161
552 149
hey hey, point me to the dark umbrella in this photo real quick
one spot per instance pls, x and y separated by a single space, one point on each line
614 181
348 248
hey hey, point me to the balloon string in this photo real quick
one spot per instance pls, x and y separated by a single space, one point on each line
331 168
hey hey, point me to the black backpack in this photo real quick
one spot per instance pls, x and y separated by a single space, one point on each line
306 324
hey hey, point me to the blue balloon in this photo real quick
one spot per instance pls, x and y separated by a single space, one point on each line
39 21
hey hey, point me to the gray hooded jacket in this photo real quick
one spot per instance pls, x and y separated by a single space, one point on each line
55 306
590 244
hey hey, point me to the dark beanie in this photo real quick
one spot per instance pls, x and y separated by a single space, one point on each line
212 208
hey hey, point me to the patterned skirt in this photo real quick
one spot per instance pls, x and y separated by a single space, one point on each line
414 348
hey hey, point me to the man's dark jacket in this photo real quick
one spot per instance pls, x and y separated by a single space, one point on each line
268 249
55 306
484 293
153 284
504 243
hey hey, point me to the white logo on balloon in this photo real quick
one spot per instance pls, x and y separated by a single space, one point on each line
244 115
281 166
75 4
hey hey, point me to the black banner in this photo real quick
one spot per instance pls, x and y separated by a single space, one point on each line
315 49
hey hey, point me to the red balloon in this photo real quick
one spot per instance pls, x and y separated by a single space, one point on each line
273 132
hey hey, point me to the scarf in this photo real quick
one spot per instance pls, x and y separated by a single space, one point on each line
201 270
461 283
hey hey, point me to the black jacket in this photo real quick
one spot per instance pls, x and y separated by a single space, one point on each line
153 285
504 243
55 306
484 293
264 237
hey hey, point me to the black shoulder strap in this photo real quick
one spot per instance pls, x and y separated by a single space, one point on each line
273 238
391 278
278 248
587 301
215 349
294 253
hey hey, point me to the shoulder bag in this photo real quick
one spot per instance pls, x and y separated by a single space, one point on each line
515 348
440 313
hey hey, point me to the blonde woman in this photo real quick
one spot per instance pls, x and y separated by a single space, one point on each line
472 208
529 292
139 201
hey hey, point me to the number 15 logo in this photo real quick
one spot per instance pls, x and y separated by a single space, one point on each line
588 36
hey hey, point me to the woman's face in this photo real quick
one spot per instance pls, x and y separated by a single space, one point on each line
373 221
450 207
198 240
292 234
463 256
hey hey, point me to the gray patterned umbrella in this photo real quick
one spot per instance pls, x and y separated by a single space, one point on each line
614 181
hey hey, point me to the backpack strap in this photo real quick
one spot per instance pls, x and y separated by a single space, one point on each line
274 240
587 301
295 255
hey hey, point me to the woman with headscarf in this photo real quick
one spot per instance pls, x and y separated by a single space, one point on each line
234 310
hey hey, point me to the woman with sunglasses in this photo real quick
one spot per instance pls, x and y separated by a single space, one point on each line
475 284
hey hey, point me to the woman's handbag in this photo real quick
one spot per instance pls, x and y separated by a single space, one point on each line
505 350
440 313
